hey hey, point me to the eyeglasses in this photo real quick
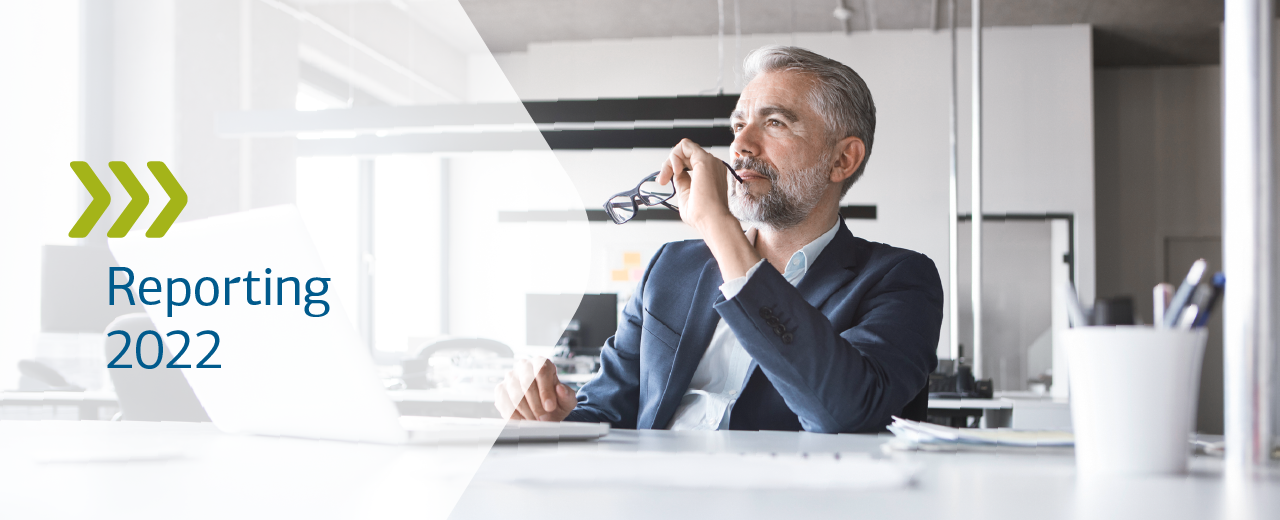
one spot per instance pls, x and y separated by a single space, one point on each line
623 206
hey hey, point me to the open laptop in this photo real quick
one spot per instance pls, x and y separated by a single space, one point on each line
282 373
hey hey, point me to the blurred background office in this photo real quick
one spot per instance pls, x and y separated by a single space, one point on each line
1101 152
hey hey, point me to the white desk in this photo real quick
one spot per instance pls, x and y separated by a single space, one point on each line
66 469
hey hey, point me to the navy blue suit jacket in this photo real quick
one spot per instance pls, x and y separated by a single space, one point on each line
855 341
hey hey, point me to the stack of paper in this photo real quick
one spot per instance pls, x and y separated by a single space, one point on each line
927 436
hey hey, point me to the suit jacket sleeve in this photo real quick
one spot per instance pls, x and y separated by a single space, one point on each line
844 380
614 395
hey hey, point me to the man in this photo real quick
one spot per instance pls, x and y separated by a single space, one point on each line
795 324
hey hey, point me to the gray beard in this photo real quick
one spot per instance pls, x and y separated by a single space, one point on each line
789 200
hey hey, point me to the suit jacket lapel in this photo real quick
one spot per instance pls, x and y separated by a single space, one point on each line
699 327
835 267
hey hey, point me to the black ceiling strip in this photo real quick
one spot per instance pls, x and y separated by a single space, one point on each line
636 138
632 109
859 212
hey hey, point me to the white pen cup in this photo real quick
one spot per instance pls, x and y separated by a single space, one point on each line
1133 398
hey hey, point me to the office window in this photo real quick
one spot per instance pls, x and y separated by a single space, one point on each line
406 244
405 259
325 186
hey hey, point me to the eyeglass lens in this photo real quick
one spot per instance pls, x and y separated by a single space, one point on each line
621 209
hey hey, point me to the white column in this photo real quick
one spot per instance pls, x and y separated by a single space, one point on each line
444 245
1247 233
975 175
97 99
246 101
953 198
364 240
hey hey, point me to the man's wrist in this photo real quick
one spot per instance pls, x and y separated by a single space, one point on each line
733 252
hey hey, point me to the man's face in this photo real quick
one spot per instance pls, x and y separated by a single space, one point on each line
779 150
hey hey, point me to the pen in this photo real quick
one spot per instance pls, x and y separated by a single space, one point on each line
1206 308
1183 296
1160 296
1188 317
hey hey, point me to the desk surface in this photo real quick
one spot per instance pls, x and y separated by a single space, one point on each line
159 470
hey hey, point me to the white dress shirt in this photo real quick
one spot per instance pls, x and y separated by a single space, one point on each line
722 372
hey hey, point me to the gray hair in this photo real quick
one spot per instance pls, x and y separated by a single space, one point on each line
840 95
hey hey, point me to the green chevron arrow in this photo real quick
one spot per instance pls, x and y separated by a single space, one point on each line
138 200
177 199
101 199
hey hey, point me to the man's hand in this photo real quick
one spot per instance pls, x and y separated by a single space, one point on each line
532 392
702 186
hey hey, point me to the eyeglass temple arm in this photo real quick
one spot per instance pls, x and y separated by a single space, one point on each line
732 171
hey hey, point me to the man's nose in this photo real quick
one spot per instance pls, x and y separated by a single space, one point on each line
745 142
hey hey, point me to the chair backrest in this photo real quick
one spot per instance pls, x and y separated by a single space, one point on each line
158 394
918 408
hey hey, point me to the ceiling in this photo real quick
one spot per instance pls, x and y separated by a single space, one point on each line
1127 33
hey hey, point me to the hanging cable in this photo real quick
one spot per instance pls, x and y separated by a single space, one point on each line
719 89
845 15
720 50
737 45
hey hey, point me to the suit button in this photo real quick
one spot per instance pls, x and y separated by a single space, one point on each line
772 320
787 338
777 329
765 312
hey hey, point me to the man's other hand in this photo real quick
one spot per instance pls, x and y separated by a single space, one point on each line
532 392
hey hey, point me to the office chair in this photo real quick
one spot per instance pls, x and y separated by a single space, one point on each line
159 394
918 408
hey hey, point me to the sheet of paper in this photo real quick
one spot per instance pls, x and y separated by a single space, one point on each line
928 433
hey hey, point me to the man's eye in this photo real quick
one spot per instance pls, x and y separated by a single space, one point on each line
774 122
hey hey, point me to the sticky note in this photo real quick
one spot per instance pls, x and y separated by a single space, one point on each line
631 259
620 275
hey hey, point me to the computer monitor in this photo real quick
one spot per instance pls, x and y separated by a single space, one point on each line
595 318
65 304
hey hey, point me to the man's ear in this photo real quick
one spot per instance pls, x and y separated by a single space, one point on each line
850 152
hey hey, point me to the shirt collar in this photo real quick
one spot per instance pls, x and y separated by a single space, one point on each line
800 261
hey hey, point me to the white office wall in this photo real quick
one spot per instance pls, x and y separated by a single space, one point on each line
39 112
1038 127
